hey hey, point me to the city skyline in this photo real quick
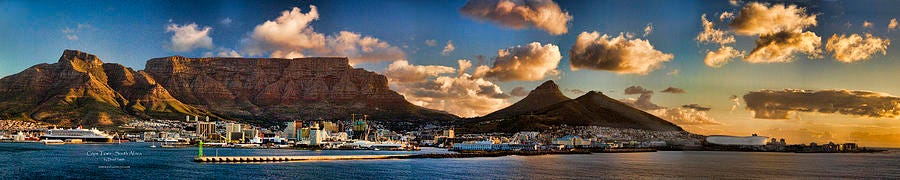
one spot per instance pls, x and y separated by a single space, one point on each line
784 56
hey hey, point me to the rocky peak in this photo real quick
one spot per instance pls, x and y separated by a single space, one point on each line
548 88
70 56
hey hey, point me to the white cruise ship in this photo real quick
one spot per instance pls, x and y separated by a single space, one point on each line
92 135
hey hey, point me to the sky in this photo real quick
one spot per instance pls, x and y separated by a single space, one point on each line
806 71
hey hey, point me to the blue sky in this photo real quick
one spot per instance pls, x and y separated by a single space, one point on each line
131 32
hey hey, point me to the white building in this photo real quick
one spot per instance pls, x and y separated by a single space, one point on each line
474 146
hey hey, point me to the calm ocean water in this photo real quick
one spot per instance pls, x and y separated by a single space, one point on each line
138 160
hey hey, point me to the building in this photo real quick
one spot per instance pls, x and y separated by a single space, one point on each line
737 140
330 127
571 141
360 129
233 132
484 145
315 136
206 130
448 133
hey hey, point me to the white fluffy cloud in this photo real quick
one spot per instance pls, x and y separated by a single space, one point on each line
618 54
711 34
867 24
448 48
402 71
459 94
781 47
189 37
531 62
855 47
758 18
721 57
519 14
290 36
893 24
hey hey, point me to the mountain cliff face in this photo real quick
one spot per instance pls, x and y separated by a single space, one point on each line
546 106
82 90
284 89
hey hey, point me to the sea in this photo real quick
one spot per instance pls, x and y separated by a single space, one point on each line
141 161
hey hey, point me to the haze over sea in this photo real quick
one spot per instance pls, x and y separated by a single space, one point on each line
134 160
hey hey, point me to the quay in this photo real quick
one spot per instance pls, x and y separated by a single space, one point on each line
290 158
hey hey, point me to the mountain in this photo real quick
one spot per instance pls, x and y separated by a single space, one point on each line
544 95
82 90
263 90
537 112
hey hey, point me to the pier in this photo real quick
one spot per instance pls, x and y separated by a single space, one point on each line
290 158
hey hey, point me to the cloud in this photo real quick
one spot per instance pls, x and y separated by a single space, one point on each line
722 17
771 104
684 116
648 29
867 24
448 48
721 57
674 90
188 37
893 24
222 52
617 54
643 101
519 14
758 19
696 107
712 35
226 21
402 71
854 48
736 102
431 42
678 115
462 95
519 92
781 46
72 34
530 62
734 2
576 91
290 36
674 72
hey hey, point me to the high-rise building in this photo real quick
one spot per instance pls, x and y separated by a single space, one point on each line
360 129
315 136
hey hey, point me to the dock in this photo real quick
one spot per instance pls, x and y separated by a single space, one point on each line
291 158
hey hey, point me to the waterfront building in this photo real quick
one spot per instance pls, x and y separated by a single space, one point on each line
232 129
340 136
330 127
19 137
483 145
360 129
206 130
571 141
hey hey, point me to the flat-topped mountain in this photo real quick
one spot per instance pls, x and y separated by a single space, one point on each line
537 111
82 90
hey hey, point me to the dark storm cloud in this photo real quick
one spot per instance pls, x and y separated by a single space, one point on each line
770 104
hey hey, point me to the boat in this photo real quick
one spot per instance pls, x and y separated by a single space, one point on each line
82 135
52 141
